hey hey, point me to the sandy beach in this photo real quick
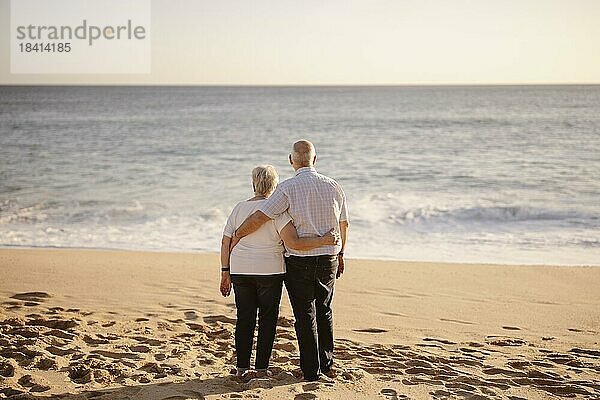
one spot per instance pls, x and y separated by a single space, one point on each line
83 324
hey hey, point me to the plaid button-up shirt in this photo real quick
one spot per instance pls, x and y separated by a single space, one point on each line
316 204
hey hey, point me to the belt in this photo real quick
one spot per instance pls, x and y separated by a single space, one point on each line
316 259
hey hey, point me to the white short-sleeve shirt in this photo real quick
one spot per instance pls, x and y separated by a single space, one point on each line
261 252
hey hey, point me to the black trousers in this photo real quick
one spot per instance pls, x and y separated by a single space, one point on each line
252 293
309 282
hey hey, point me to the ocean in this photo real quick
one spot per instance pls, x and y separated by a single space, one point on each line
486 174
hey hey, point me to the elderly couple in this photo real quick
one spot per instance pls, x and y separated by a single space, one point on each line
308 214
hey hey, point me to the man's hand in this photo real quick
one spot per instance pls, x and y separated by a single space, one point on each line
340 270
225 284
234 240
331 237
250 225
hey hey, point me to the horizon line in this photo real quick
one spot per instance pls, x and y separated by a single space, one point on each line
296 85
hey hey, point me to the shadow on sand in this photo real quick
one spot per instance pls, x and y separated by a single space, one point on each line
189 389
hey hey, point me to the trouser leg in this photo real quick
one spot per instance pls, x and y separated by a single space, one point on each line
269 295
246 302
299 282
324 315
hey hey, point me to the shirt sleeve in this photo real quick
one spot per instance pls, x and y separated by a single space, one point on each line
344 208
230 225
276 204
282 220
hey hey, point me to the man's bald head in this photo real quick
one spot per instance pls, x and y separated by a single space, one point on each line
303 154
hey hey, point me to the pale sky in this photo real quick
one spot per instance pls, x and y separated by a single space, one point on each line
308 42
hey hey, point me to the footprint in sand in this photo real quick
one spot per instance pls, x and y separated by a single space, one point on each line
80 374
476 344
62 324
443 341
94 341
35 384
190 315
518 364
456 321
6 369
503 371
45 363
58 351
108 336
511 328
391 394
305 396
26 332
586 352
370 330
140 348
429 345
31 296
310 387
116 355
504 341
473 352
57 333
219 334
14 322
213 319
147 340
197 327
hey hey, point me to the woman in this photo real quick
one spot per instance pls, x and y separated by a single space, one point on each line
256 269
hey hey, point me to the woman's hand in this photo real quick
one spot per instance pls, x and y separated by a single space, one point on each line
225 284
341 266
331 238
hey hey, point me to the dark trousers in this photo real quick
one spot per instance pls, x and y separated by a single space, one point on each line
252 293
309 282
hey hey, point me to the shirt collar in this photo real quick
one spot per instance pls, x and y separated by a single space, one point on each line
304 169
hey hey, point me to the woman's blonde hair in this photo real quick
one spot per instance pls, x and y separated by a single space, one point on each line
265 180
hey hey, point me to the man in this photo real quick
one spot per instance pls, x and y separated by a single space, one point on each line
316 204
